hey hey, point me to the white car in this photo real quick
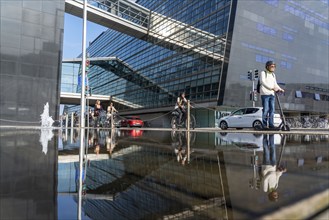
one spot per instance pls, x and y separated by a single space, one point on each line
246 118
247 141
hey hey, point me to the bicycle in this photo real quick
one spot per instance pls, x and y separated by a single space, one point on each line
100 119
175 118
107 120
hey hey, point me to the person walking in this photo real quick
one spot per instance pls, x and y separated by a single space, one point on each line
97 112
268 86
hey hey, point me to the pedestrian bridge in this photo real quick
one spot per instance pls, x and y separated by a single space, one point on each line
75 99
70 98
119 68
136 21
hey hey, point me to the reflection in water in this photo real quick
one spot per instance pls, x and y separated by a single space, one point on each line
111 141
271 168
148 173
135 133
181 141
28 174
247 141
45 136
126 168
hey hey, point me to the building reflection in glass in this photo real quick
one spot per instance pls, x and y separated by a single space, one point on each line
149 171
211 182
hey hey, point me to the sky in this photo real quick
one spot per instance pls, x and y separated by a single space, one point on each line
73 35
72 46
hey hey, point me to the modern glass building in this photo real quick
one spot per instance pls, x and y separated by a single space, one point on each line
31 39
204 48
150 72
207 47
292 33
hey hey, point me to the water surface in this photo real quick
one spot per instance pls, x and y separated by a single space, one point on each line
142 174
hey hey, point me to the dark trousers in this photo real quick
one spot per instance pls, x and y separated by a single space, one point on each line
182 114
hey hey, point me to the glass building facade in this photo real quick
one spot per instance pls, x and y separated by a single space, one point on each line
151 72
31 35
237 36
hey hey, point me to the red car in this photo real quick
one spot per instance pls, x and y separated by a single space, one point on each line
132 121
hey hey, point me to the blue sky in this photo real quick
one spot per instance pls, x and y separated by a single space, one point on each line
73 35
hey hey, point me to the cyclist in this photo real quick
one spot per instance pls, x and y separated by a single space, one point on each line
180 107
111 110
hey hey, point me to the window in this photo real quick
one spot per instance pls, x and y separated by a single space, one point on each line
298 94
317 97
239 112
251 110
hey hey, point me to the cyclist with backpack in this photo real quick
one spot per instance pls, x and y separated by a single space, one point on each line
268 87
180 107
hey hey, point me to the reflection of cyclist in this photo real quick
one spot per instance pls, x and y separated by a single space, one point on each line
110 142
180 148
180 107
181 155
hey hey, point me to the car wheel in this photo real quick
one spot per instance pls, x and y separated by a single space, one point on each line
223 125
257 124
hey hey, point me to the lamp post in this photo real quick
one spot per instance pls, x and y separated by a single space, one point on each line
83 106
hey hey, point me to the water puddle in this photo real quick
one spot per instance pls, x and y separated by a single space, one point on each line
143 174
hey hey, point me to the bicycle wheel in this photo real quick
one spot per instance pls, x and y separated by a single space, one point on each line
173 122
192 122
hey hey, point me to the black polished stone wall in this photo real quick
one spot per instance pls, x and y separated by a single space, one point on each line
31 36
28 174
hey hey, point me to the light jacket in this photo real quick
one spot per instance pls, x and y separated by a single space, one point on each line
180 102
270 177
268 83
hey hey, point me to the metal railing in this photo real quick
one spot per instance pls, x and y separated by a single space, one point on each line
124 9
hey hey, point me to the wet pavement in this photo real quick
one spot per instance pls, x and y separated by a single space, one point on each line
152 174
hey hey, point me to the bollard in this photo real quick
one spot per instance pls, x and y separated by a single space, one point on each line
66 121
188 138
72 120
188 116
112 123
